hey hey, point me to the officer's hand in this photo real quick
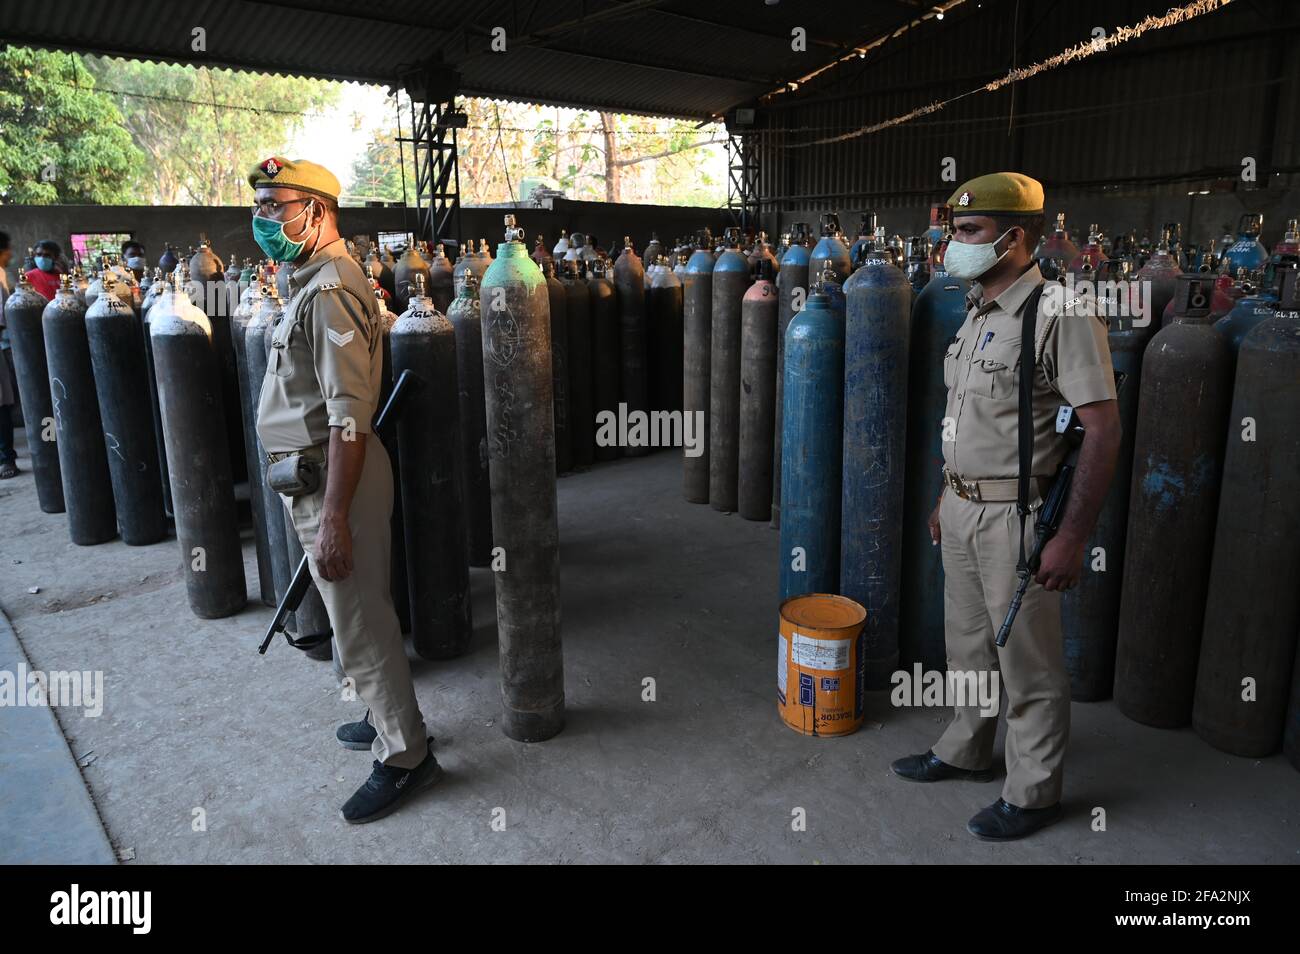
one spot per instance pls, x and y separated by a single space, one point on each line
933 524
334 548
1060 564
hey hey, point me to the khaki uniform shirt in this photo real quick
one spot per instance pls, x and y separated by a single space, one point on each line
326 357
982 370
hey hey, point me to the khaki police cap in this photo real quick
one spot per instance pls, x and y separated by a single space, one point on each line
998 193
280 173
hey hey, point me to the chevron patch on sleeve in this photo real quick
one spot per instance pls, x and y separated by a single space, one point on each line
339 339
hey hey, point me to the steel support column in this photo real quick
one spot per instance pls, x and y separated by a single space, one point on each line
742 179
433 142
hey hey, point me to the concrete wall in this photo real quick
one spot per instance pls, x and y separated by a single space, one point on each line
228 230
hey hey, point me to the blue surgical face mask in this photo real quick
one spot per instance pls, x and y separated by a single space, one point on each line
136 262
271 239
44 262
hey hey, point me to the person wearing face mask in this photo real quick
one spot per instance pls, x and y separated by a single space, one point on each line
8 380
45 275
318 398
133 258
997 221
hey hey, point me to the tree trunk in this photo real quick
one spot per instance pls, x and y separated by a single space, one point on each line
613 170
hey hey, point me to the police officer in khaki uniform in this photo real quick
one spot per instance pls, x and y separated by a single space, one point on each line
318 398
997 221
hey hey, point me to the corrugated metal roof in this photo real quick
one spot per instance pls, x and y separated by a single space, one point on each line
663 57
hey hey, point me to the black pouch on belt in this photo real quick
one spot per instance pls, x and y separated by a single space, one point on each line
293 476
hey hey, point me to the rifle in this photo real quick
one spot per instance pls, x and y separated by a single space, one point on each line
302 576
1053 509
1049 515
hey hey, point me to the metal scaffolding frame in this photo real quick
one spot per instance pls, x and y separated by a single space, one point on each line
433 142
742 179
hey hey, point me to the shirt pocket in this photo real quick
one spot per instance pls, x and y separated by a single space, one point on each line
280 361
996 372
950 358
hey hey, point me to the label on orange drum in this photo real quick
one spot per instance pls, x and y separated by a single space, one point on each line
820 664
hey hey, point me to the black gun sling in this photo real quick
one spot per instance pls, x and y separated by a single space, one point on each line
1025 422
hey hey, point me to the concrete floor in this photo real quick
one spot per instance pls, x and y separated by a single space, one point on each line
652 586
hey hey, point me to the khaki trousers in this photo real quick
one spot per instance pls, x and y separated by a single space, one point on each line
360 608
979 567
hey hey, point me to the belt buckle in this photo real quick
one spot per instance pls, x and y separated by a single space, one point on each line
957 484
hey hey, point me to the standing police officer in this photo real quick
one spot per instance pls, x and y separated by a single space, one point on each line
997 221
318 398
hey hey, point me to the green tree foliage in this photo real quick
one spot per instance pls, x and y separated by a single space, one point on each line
61 141
202 129
591 156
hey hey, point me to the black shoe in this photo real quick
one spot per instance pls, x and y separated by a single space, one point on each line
383 793
357 735
8 469
930 768
1003 821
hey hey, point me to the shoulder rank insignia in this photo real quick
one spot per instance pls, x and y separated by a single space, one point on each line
339 339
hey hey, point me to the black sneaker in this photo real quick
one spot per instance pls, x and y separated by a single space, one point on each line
8 470
383 793
357 735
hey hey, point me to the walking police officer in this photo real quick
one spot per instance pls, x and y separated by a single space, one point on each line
997 221
318 398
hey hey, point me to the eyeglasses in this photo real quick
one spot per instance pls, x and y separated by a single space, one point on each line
268 207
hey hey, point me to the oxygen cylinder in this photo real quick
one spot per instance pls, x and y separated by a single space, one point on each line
264 312
255 463
1247 251
1177 458
866 235
521 443
879 301
428 435
1090 611
582 411
937 315
830 248
762 250
758 321
813 404
1256 305
629 283
1285 253
918 263
1090 255
160 285
606 351
383 274
1056 251
408 266
654 248
697 337
561 246
79 433
462 265
399 584
198 456
558 307
167 261
1161 271
664 305
79 284
22 312
117 357
468 326
1252 615
440 280
480 262
730 282
792 289
540 254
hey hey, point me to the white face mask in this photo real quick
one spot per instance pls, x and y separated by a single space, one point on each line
970 260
